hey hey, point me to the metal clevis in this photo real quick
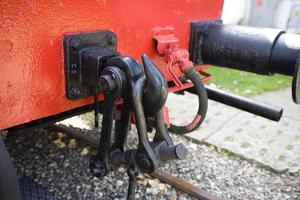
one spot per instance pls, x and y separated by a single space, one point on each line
143 90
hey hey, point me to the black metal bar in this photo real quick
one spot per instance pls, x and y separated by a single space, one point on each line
161 133
249 105
96 110
122 126
131 185
106 128
258 108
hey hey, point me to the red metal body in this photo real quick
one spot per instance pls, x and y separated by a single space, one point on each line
32 80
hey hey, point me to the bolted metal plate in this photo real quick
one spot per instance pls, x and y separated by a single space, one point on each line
73 44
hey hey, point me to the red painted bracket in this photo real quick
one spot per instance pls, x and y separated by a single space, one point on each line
175 57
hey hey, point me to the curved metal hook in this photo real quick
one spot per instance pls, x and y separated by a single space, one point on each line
156 91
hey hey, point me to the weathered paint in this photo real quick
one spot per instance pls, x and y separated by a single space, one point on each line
32 83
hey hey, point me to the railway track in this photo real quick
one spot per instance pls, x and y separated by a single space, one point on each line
159 174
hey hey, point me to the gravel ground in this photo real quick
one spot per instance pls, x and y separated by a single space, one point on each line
61 164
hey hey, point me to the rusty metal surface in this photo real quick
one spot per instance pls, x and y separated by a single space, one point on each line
183 185
74 133
159 174
32 81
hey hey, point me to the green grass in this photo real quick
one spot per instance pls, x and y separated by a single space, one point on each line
247 84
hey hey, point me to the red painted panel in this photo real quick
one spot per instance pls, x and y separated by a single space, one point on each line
32 83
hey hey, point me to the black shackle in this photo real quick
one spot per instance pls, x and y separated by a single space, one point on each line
144 91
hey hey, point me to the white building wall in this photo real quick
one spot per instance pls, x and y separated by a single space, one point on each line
234 11
282 14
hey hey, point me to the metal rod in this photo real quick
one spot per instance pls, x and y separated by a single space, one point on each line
161 175
183 185
72 132
131 184
249 105
96 111
258 108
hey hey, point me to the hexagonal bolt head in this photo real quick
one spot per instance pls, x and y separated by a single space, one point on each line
107 82
75 91
97 167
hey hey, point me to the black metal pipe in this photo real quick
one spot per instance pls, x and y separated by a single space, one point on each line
286 51
258 50
258 108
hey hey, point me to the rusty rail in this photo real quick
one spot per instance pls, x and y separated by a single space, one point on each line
159 174
183 185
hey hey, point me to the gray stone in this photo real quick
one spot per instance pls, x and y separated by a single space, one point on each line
274 144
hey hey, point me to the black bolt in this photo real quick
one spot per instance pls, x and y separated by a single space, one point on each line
75 45
180 151
97 167
172 152
75 91
112 39
144 164
107 82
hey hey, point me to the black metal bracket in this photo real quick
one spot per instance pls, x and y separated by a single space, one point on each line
85 55
198 31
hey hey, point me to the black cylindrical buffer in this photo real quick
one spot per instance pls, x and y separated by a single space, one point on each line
258 50
286 51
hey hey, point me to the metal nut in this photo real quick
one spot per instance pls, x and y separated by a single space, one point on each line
112 39
144 164
75 91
